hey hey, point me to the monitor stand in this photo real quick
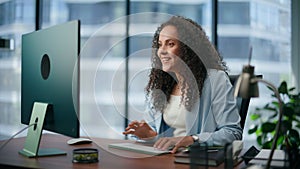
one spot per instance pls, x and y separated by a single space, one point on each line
32 142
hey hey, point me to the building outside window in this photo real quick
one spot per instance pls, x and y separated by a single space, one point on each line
265 26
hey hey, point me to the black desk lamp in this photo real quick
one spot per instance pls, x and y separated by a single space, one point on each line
246 87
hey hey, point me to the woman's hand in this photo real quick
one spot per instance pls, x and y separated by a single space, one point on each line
165 143
140 129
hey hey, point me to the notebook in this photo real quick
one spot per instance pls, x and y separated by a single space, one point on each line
279 158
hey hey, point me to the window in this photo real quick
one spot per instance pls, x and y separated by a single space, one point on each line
16 18
262 25
237 49
234 13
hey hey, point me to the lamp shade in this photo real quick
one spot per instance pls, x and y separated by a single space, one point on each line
246 86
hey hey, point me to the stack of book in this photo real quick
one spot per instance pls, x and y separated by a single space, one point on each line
213 157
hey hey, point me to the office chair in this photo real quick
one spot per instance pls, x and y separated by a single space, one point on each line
243 104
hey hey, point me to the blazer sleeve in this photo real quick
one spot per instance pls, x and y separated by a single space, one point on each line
156 122
152 117
221 116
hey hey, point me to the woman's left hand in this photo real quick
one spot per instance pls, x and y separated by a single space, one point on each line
165 143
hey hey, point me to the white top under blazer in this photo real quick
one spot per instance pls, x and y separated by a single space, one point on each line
216 120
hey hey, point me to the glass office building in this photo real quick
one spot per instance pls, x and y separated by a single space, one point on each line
114 69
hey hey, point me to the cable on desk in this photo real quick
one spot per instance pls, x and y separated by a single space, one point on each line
7 141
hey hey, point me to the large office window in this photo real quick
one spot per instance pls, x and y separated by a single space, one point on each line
102 52
110 59
228 12
265 26
16 18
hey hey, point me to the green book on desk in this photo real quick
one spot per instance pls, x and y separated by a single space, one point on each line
213 158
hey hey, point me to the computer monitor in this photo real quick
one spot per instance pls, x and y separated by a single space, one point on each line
50 84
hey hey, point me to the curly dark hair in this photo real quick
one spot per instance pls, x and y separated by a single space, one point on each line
196 51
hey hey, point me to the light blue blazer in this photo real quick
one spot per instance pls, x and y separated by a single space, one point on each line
217 121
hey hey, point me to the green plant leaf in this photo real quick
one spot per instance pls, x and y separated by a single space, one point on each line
294 134
297 110
268 127
280 140
292 89
276 104
270 88
283 88
290 129
252 129
258 131
285 126
255 116
287 111
273 115
267 145
270 109
298 125
259 140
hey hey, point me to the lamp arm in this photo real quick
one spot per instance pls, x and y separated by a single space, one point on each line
279 118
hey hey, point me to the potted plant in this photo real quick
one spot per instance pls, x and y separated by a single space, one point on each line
264 128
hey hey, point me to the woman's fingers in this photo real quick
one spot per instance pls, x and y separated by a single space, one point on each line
140 129
174 150
163 143
182 142
133 124
173 143
129 131
132 127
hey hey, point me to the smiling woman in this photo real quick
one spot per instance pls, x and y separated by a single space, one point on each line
190 97
168 50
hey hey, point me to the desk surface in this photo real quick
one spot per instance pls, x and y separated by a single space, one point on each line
109 158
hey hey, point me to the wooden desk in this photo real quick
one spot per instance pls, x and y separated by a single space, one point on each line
108 158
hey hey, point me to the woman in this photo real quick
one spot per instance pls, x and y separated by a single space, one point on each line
190 97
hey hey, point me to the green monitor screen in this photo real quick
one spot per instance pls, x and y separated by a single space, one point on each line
50 74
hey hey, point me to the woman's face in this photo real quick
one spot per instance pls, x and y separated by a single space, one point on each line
168 49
